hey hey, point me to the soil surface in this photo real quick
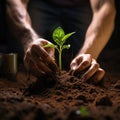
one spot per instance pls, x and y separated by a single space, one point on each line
66 99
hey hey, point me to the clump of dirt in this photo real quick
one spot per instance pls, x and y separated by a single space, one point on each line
63 98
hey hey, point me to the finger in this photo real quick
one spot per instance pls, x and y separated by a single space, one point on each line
45 57
90 72
83 63
82 66
31 65
98 75
75 62
34 69
41 64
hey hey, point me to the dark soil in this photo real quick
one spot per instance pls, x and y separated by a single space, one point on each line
62 100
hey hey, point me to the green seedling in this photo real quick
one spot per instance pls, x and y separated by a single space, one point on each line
60 38
82 111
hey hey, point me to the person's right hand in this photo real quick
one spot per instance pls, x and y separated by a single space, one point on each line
39 60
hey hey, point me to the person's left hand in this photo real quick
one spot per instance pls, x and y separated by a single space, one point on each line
85 67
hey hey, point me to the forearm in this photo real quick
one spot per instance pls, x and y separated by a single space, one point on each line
19 22
98 32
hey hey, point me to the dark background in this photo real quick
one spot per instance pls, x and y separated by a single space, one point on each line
2 25
4 33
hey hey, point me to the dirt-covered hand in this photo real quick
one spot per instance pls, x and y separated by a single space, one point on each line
39 60
85 67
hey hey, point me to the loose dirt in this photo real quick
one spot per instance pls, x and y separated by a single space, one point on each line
62 100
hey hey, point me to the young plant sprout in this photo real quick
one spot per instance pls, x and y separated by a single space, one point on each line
83 111
60 38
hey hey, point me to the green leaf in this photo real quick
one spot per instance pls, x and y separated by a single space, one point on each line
66 46
49 45
57 41
66 37
58 34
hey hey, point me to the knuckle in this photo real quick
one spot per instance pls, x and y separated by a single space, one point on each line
73 62
96 65
33 46
89 55
101 71
85 63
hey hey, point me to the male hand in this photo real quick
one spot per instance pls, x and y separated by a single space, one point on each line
39 60
85 67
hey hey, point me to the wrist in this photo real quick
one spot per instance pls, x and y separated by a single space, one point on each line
28 36
92 52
